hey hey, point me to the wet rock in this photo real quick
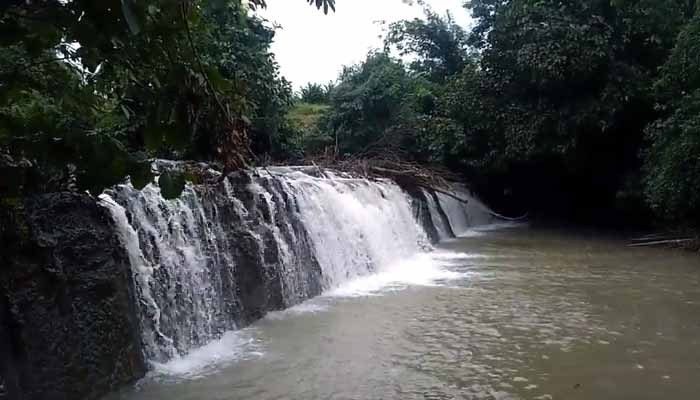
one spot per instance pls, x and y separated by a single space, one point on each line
67 325
420 210
254 281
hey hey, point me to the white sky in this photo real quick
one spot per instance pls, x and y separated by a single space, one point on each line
313 47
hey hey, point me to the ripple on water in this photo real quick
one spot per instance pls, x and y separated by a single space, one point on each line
525 320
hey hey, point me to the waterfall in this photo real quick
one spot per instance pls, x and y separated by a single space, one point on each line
221 256
438 217
356 226
461 215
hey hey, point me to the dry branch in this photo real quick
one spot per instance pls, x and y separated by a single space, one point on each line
390 164
663 242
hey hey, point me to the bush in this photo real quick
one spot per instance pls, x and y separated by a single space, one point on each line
672 163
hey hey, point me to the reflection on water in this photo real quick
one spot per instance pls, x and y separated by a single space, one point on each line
510 314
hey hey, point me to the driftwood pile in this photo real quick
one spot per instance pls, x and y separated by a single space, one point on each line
390 166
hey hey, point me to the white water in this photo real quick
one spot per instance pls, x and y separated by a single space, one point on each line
421 270
201 362
442 226
464 216
170 244
426 269
142 273
219 257
357 227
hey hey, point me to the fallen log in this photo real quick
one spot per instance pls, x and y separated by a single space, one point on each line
662 242
509 219
654 237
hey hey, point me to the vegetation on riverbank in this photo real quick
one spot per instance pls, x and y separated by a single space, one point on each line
584 110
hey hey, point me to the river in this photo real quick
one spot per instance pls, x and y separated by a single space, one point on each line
510 313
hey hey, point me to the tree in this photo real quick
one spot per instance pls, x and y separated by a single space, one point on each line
142 79
315 93
672 163
438 43
445 70
370 100
568 87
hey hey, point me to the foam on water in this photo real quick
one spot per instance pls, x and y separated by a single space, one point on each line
497 226
312 306
482 230
428 269
443 255
421 270
471 233
234 346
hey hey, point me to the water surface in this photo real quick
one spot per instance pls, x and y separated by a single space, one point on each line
513 313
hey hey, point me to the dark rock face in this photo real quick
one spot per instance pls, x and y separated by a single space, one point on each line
442 216
421 205
68 329
249 249
258 269
421 211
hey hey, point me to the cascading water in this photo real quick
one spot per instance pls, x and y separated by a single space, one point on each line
462 215
210 261
437 216
356 226
221 256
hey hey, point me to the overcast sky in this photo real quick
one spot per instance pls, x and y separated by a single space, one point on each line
313 47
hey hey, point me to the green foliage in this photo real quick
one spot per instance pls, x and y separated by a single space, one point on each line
315 93
466 101
672 163
325 4
680 74
55 130
307 116
383 107
565 74
439 44
545 100
371 99
561 95
90 91
307 135
564 92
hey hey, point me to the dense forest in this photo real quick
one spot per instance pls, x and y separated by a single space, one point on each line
588 111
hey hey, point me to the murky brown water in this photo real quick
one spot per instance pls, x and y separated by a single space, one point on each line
523 314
